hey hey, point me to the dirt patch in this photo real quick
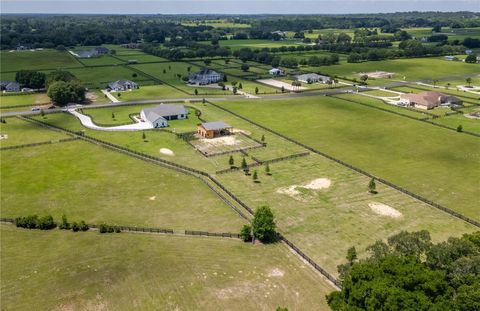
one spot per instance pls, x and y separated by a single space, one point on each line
377 74
276 273
230 140
166 151
295 192
241 131
3 136
91 96
473 115
279 84
152 198
384 210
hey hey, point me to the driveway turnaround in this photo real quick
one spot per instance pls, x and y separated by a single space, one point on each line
88 123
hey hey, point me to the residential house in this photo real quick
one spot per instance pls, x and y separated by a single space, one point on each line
450 57
429 100
101 50
160 115
276 72
214 129
204 77
313 78
468 52
9 86
122 85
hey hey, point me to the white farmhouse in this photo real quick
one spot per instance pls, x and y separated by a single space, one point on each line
276 72
160 115
122 85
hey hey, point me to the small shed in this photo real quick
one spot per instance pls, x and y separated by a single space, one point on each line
214 129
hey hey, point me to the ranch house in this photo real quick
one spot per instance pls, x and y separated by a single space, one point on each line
429 100
214 129
204 77
122 85
160 115
9 86
313 78
276 72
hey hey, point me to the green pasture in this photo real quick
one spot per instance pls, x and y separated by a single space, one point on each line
24 99
324 223
237 44
20 132
411 69
105 60
141 58
132 271
216 24
36 60
87 182
99 77
415 88
150 92
452 33
440 164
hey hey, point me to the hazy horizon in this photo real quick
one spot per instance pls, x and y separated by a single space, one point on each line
225 7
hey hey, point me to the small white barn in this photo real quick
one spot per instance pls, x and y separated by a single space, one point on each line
160 115
276 72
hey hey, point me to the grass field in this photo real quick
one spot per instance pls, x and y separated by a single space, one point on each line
412 69
105 186
98 77
141 58
151 92
254 43
443 168
58 270
20 132
24 99
325 223
37 60
102 61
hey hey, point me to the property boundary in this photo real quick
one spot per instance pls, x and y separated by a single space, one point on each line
359 170
39 143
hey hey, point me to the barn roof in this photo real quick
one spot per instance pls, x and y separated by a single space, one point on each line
215 126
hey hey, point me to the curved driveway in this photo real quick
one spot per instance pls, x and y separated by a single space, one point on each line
88 123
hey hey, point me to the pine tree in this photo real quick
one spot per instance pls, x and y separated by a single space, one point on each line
372 186
144 136
267 169
255 176
113 115
231 161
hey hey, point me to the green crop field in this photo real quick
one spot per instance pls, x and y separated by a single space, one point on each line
441 168
105 186
58 270
36 60
23 99
151 92
104 60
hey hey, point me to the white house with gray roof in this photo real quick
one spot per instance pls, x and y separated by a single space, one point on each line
122 85
204 77
313 78
160 115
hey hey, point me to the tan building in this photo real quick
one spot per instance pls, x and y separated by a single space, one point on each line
429 100
214 129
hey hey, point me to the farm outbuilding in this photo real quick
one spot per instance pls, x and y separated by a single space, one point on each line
214 129
312 78
160 115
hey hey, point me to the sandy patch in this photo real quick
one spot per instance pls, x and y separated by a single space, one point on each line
276 273
473 115
3 136
384 210
377 74
166 151
241 131
316 184
152 198
279 84
221 141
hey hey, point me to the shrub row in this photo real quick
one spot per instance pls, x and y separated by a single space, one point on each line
35 222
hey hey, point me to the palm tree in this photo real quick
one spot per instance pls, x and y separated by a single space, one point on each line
448 85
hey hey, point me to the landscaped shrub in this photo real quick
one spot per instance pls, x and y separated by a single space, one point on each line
29 222
46 223
246 233
64 225
104 228
83 226
75 227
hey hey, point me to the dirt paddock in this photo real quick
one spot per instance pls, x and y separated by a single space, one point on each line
224 144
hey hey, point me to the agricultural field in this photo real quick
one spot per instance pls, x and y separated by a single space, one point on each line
36 60
97 187
254 43
141 58
216 24
23 100
452 33
105 60
150 92
445 158
121 271
99 77
18 132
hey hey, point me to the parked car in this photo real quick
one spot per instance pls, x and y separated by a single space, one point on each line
35 109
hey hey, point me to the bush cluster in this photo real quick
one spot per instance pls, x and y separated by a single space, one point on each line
104 228
35 222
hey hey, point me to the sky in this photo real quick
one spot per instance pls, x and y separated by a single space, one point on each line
234 6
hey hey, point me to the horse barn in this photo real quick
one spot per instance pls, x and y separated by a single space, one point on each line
159 116
214 129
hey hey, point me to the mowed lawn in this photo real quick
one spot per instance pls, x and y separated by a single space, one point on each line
439 164
19 132
88 182
150 92
23 99
61 270
99 77
412 69
36 60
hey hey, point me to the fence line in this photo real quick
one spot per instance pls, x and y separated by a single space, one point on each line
260 162
38 144
359 170
154 230
196 173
